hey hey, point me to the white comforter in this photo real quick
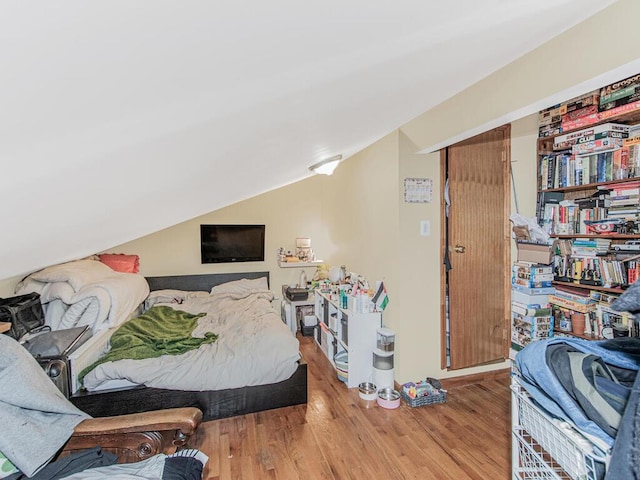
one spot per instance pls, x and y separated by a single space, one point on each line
85 292
254 346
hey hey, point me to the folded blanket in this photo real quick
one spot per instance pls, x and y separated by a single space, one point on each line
85 292
161 330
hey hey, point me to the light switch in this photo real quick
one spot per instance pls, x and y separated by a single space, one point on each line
425 228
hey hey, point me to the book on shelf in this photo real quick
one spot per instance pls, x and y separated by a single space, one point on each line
547 198
524 298
525 330
531 310
599 145
614 112
532 291
532 283
571 304
574 293
534 327
624 191
618 200
531 267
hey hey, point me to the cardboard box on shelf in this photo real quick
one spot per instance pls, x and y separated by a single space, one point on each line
580 122
620 89
535 252
591 98
596 146
545 116
577 114
629 107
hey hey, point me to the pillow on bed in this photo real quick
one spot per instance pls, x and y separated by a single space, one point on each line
76 272
241 286
121 262
170 296
163 296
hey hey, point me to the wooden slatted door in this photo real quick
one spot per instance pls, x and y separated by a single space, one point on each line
477 171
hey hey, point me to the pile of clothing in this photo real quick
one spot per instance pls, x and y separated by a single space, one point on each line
594 385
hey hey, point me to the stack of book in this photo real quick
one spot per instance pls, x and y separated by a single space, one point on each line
590 247
531 318
579 141
624 201
575 113
531 275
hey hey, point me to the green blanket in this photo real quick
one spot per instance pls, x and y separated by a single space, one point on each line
159 331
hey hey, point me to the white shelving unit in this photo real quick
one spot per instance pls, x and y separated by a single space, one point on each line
342 329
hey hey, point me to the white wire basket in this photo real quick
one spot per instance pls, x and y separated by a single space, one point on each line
547 448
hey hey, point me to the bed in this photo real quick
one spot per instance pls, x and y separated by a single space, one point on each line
111 395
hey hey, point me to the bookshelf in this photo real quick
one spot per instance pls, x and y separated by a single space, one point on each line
588 201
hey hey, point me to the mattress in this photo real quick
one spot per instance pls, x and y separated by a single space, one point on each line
254 346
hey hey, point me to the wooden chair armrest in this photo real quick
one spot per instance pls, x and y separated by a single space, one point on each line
137 436
184 419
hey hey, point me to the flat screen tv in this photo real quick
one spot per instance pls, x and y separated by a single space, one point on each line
232 243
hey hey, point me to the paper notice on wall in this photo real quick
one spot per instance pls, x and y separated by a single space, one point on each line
418 190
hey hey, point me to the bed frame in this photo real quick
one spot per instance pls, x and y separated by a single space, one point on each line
214 404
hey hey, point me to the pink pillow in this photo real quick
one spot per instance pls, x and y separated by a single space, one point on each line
121 262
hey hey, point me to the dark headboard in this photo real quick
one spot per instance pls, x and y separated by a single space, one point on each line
204 282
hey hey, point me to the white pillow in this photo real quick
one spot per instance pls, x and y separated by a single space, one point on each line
241 286
173 296
77 273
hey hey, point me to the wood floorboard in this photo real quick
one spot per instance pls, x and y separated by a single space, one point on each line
337 436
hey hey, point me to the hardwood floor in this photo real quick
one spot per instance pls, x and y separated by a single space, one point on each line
337 436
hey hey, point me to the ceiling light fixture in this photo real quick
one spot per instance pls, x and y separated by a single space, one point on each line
326 166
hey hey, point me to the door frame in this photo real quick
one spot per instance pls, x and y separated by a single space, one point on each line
506 260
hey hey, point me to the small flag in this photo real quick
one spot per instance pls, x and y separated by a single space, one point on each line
380 298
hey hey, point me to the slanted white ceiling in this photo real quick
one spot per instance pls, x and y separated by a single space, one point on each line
120 118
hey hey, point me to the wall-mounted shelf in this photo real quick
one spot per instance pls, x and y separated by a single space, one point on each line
299 264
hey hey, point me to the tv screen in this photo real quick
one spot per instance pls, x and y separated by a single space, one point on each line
232 243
